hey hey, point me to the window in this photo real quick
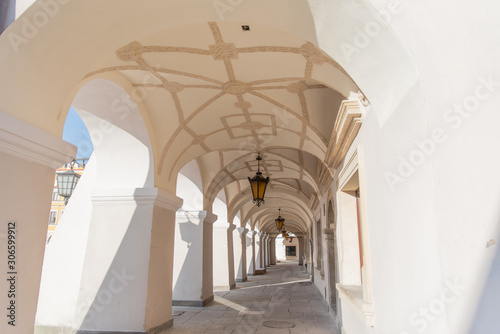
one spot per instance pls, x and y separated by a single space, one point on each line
55 196
53 217
291 251
355 286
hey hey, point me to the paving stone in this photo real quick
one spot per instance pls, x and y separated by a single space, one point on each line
276 295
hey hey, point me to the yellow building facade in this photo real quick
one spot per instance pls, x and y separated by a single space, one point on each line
58 206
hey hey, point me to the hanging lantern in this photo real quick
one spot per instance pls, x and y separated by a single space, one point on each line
66 183
290 239
283 234
279 221
258 184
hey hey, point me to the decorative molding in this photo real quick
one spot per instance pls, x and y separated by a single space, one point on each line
200 216
137 196
324 176
122 196
345 130
249 124
168 200
353 296
329 233
224 226
210 218
313 203
27 142
242 230
350 167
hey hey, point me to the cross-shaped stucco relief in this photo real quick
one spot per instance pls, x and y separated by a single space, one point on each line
249 128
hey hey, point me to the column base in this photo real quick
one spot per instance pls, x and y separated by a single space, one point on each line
69 330
241 280
260 271
224 287
160 329
193 303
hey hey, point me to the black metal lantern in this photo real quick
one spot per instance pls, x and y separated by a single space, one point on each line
279 221
66 183
258 184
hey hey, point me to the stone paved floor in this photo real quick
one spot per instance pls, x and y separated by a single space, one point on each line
284 293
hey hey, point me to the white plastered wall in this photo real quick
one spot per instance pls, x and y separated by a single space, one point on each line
88 247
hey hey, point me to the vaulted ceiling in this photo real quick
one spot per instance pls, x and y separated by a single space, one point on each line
219 94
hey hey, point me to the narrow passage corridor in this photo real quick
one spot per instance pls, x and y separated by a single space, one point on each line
284 295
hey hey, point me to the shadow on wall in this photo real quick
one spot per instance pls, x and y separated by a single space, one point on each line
486 318
7 13
111 306
189 229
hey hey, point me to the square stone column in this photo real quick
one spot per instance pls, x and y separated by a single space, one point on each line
272 249
250 240
125 274
223 256
301 250
193 259
28 160
240 256
266 250
263 250
258 251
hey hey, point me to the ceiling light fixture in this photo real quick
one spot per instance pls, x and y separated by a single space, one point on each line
258 184
279 221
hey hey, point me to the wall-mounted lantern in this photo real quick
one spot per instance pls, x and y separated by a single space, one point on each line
66 182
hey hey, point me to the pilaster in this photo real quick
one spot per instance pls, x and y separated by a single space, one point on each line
193 250
28 159
240 263
250 239
223 256
126 271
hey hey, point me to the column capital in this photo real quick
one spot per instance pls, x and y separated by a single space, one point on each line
137 196
168 200
210 218
224 226
242 230
329 233
201 215
27 142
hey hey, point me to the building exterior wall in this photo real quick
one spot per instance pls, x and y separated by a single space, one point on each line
57 206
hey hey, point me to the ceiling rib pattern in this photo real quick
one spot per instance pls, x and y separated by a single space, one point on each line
243 123
234 97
